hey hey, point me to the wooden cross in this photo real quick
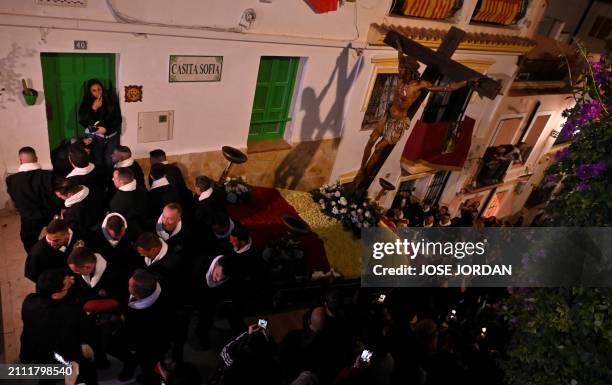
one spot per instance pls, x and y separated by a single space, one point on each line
438 63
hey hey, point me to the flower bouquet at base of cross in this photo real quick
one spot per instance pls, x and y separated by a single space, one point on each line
362 216
336 202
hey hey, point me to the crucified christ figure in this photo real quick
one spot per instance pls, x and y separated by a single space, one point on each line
388 131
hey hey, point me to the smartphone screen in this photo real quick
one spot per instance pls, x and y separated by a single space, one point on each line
366 355
262 323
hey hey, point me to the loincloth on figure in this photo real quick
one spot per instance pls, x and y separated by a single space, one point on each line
394 128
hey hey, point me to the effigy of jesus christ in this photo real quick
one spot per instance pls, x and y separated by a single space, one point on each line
409 94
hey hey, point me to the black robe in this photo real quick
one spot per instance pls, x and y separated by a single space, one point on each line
123 257
96 183
43 257
133 206
174 175
208 208
176 179
32 192
168 272
112 285
52 326
83 216
148 333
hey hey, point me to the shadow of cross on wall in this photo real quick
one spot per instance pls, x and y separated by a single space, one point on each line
294 166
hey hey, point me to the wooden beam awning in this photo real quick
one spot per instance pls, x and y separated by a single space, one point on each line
431 38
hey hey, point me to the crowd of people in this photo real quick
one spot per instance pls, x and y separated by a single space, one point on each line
122 270
406 211
119 264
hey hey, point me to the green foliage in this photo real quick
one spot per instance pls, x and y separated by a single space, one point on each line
584 169
563 336
560 337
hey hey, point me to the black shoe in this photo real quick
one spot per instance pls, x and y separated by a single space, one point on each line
127 372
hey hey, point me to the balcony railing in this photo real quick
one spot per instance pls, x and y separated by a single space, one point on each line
491 173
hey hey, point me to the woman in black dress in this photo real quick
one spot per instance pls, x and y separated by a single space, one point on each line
100 115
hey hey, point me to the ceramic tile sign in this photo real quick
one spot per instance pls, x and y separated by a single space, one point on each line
184 68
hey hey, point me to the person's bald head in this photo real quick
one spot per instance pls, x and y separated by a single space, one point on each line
27 155
317 319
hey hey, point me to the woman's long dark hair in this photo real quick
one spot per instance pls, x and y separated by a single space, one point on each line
109 99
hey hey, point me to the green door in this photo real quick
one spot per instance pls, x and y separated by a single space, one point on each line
64 76
273 93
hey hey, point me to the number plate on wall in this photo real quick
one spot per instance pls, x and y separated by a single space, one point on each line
195 68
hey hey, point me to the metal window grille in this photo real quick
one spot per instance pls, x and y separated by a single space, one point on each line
436 187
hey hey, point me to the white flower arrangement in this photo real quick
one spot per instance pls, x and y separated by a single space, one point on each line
354 214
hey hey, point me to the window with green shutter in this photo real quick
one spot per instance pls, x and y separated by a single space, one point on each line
273 93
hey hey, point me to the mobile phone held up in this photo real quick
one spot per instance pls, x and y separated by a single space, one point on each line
366 356
262 323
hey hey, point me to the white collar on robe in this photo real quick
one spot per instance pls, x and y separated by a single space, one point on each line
162 253
81 170
228 232
100 268
124 163
28 167
159 183
129 187
78 197
445 225
140 304
206 194
159 229
209 280
244 248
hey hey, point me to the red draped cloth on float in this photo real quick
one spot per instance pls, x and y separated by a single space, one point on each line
262 215
426 144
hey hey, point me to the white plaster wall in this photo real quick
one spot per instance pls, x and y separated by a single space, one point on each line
207 115
280 17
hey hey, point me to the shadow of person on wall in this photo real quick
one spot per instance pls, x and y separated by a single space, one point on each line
293 168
